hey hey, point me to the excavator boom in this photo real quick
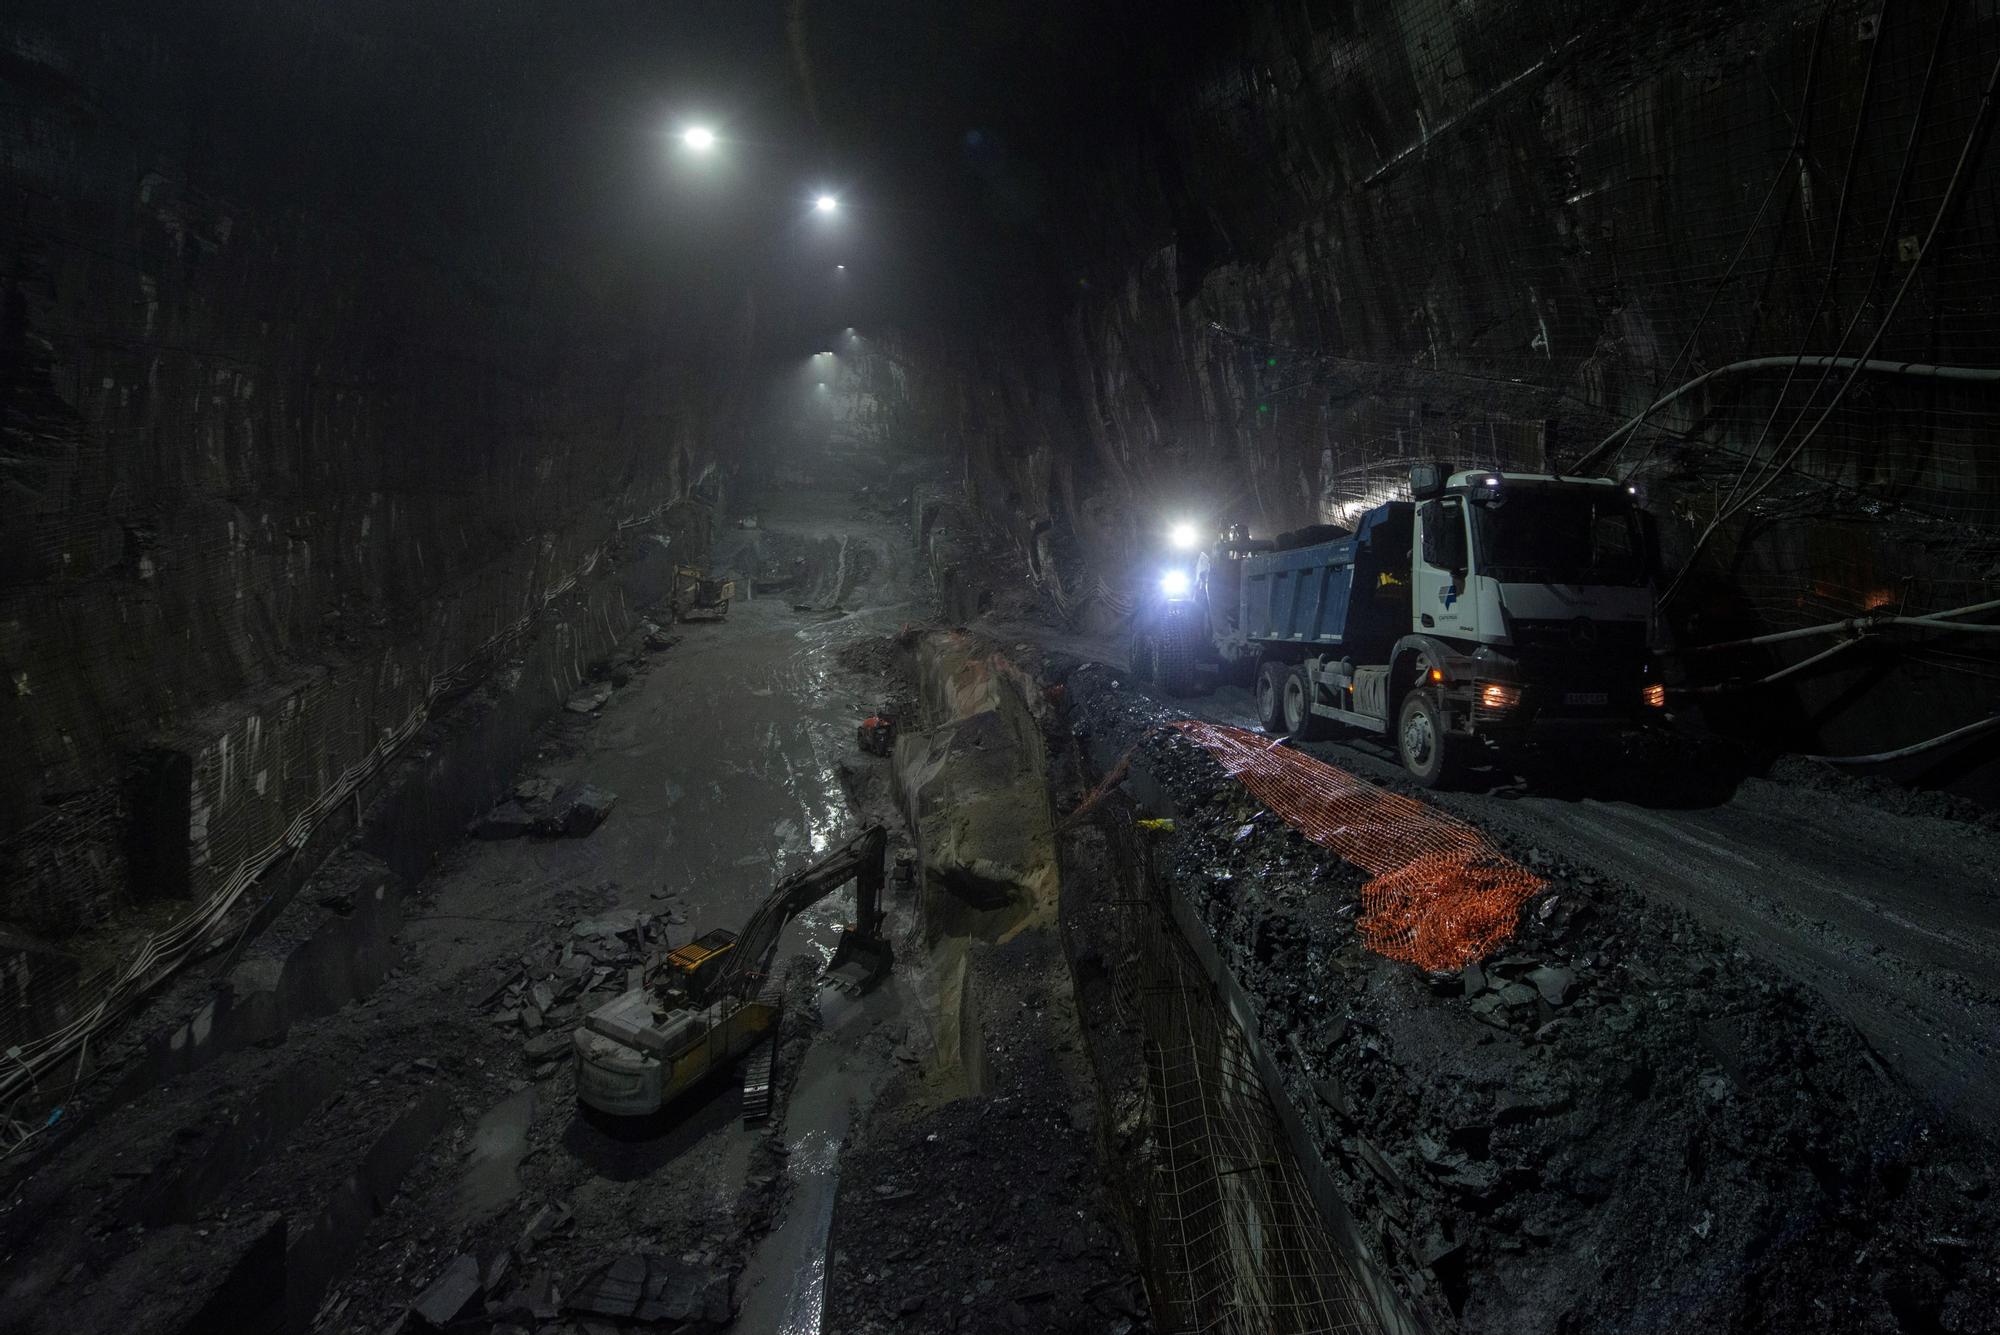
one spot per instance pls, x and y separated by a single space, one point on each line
860 860
637 1053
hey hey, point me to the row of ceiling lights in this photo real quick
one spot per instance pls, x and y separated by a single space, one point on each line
702 139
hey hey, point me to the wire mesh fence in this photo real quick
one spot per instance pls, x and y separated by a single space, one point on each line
1233 1235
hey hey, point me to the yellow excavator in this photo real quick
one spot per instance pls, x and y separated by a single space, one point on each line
712 1000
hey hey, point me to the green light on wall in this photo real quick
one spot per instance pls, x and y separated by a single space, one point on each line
1263 407
1270 361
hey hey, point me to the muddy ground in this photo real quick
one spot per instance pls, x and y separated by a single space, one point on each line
1733 1073
961 1213
389 1139
1626 1120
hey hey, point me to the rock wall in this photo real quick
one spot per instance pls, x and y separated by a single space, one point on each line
1307 244
300 415
974 789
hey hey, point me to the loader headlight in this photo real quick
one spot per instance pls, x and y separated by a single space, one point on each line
1175 584
1654 694
1184 536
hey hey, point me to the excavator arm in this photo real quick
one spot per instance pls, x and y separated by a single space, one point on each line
638 1052
860 860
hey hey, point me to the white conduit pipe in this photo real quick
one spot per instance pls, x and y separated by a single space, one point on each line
1978 375
1728 687
1978 725
1946 620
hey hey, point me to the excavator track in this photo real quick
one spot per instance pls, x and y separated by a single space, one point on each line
760 1067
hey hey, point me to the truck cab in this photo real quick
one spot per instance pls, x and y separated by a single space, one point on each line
1492 607
1540 584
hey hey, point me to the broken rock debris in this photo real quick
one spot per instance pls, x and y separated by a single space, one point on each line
540 808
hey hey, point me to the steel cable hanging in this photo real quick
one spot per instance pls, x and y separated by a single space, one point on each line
1902 177
1903 173
1839 224
1784 174
1980 121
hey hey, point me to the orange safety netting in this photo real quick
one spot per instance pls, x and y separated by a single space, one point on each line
1441 896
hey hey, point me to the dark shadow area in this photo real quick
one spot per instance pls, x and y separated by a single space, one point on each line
625 1149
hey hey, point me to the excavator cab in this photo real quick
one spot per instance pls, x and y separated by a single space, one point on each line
695 965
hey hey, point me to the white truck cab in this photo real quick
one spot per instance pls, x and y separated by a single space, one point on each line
1529 559
1492 607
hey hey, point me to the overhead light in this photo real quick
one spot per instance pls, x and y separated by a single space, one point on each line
841 267
826 203
820 385
826 354
1184 536
699 138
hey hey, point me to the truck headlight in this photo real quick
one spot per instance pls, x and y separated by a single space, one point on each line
1174 583
1499 695
1654 694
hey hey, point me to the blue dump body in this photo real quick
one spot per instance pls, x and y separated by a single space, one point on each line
1351 594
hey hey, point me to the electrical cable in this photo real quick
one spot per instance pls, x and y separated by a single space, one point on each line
1833 247
1915 748
1979 375
1784 174
1903 172
1980 121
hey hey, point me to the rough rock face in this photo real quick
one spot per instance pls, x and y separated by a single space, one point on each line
299 414
1303 245
975 786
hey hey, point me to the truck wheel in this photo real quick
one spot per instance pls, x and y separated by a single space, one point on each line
1174 664
1271 697
1300 721
1433 756
1140 654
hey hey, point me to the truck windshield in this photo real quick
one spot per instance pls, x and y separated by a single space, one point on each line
1559 537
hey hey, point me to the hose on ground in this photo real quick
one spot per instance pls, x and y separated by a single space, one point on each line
1915 748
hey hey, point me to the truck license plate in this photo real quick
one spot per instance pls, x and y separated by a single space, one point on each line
1585 698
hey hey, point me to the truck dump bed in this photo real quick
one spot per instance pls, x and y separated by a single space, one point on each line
1351 594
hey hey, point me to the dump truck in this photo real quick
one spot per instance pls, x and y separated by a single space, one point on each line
1492 608
711 1001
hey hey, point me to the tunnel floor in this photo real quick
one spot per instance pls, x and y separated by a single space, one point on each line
1884 903
422 1147
377 1148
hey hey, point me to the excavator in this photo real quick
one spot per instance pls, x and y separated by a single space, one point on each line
711 1001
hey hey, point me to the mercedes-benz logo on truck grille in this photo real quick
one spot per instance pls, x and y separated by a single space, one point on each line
1583 633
